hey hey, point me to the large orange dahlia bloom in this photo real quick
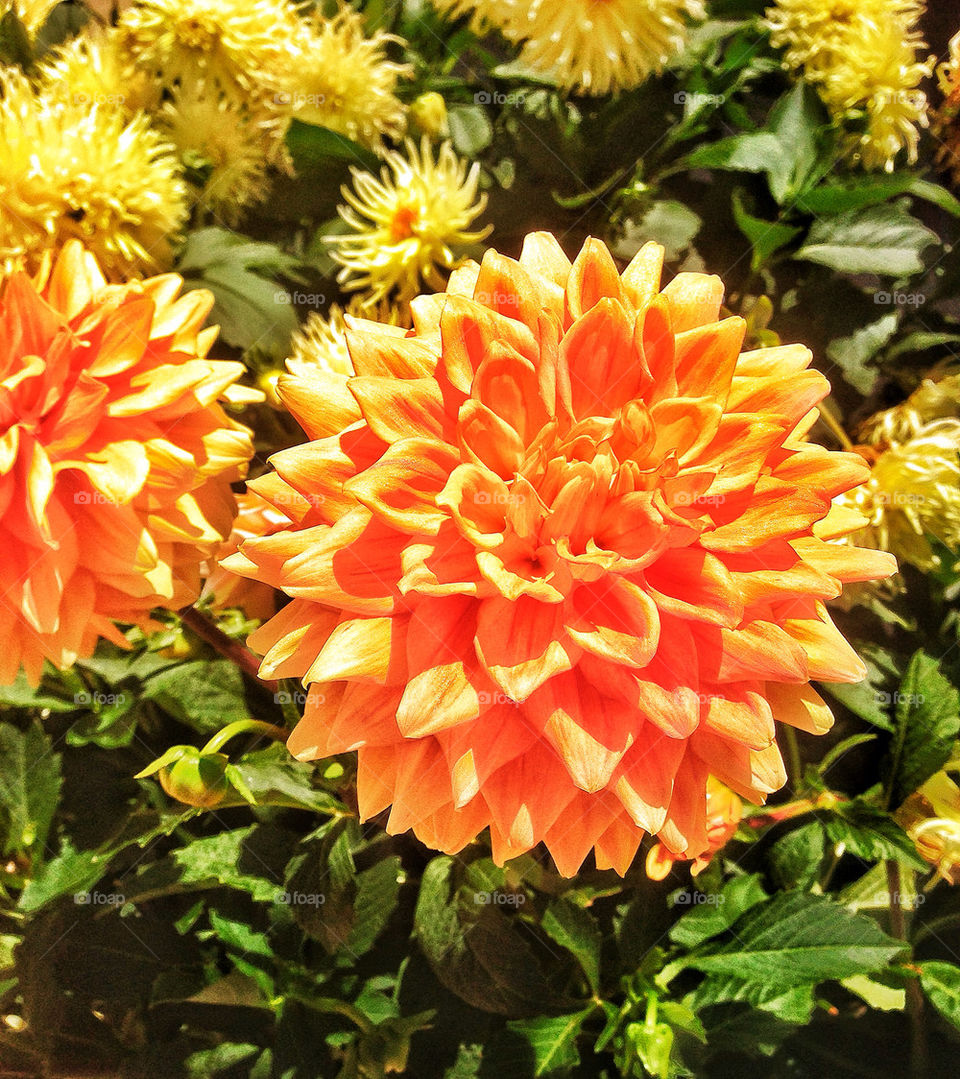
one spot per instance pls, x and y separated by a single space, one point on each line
561 551
116 457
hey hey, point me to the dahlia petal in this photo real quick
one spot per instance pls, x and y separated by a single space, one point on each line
577 828
476 750
125 332
774 510
520 644
829 471
506 288
486 439
421 786
476 499
830 657
553 372
791 398
312 739
694 300
666 690
605 370
617 847
396 409
654 334
386 355
75 280
440 692
691 583
738 712
445 565
292 639
377 768
685 425
641 279
706 358
776 571
512 584
591 733
402 487
684 830
845 563
752 773
525 798
508 385
542 256
615 620
799 706
645 778
470 332
779 361
756 650
739 450
593 277
450 829
362 648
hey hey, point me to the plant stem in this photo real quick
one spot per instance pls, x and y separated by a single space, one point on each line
794 759
898 926
244 726
217 639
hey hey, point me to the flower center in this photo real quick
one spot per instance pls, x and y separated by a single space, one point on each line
401 226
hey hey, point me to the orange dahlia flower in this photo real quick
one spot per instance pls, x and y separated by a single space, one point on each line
561 552
115 456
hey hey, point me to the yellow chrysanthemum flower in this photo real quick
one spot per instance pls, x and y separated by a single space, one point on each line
407 224
936 398
931 817
863 57
247 43
227 142
593 46
913 493
71 170
946 126
94 69
343 80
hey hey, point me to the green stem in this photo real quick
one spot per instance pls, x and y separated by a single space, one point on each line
898 926
794 758
217 639
241 726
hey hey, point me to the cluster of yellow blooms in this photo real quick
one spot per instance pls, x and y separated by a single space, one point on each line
946 127
98 142
864 57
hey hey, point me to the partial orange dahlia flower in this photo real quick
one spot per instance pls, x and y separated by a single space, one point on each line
570 556
116 456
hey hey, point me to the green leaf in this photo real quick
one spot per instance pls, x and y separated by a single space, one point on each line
792 1005
20 694
71 872
884 240
765 237
795 858
941 983
798 120
553 1040
273 777
313 147
248 948
250 306
709 919
872 834
378 889
851 353
29 788
936 194
927 723
868 699
205 694
756 151
470 129
854 194
799 939
884 998
576 929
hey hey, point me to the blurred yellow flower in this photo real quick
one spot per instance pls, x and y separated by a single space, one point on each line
407 225
863 57
913 493
226 143
71 170
591 46
246 43
341 79
321 342
931 817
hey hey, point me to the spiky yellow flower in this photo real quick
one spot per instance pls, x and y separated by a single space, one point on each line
913 493
936 398
248 43
94 69
343 80
592 46
226 142
864 58
946 126
407 225
71 170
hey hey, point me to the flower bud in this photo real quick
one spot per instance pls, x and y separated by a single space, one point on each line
196 779
429 113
